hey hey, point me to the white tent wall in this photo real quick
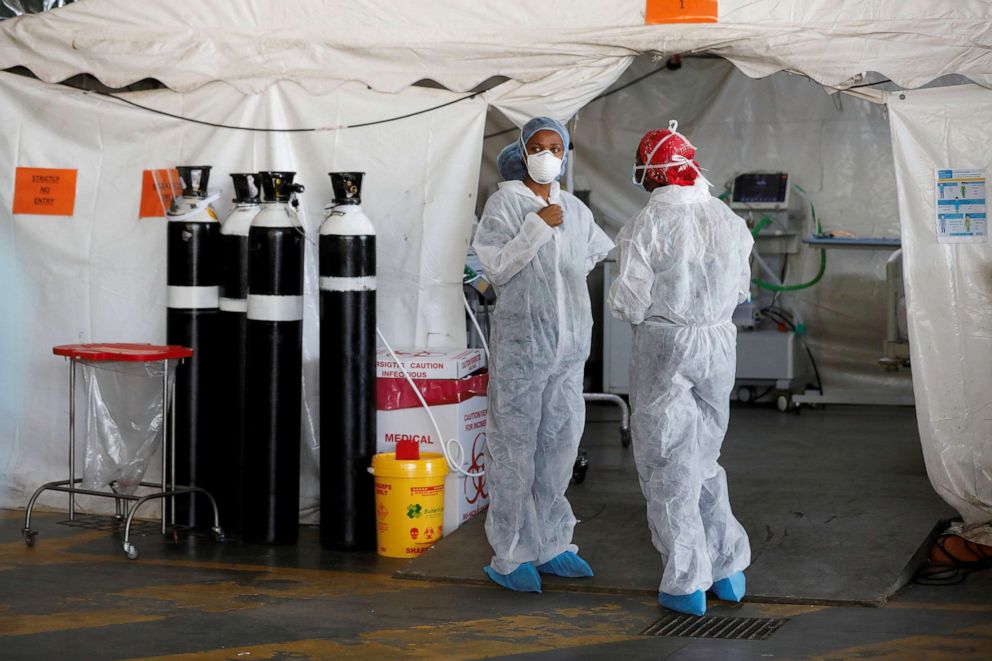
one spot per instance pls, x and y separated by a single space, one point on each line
949 287
100 274
836 147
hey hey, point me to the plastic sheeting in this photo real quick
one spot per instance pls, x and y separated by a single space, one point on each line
100 275
836 147
391 45
948 289
123 422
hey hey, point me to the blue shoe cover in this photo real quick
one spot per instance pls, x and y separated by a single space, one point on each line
730 588
566 564
690 604
522 579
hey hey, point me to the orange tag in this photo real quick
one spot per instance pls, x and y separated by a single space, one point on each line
158 187
44 191
680 11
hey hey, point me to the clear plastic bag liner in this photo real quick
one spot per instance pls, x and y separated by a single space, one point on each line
123 421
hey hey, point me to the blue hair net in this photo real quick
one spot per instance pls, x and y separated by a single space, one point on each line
511 162
542 124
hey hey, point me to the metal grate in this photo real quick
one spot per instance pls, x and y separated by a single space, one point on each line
139 527
729 628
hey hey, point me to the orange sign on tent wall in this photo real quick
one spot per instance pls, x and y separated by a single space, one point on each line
44 191
680 11
158 187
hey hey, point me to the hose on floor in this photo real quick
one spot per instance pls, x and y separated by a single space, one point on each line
955 570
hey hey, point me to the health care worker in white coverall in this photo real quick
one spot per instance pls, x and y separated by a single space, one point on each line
684 267
537 244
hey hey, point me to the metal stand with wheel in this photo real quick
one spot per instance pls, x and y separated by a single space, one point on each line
127 505
624 412
581 466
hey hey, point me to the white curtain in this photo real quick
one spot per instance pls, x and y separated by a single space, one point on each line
100 274
949 289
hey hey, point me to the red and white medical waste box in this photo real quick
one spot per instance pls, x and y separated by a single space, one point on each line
453 382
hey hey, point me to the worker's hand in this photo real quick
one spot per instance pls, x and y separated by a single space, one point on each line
552 215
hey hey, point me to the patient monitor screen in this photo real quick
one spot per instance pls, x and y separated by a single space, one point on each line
761 190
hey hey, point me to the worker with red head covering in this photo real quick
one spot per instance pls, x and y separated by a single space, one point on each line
684 267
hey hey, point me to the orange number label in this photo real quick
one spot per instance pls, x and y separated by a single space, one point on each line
680 11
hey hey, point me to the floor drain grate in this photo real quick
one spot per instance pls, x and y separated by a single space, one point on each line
728 628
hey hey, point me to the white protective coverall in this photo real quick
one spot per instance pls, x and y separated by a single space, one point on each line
683 269
541 331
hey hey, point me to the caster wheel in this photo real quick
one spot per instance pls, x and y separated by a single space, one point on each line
784 403
745 395
580 469
131 551
625 437
219 536
29 536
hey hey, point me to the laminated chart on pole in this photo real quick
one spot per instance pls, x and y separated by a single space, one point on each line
961 208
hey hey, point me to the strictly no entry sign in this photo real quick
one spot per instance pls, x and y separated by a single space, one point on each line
44 191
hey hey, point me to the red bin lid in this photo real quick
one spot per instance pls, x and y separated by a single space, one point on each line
124 352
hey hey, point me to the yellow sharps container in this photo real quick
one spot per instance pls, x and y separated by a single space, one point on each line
409 503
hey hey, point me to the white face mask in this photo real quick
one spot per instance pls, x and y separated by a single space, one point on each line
543 167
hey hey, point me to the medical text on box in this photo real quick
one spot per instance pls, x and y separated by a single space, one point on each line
44 191
681 11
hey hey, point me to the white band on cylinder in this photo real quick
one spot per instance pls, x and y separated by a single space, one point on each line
275 308
234 304
361 283
192 298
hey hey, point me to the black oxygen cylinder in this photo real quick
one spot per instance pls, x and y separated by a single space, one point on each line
275 366
193 320
347 369
234 331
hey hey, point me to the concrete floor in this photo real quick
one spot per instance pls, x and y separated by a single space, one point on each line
836 503
75 596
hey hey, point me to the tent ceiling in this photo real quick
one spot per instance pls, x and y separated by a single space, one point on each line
390 45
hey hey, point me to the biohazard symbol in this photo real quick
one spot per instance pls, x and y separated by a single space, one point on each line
429 533
478 488
414 533
381 511
413 511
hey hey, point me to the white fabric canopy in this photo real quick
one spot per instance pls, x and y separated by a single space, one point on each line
391 45
949 291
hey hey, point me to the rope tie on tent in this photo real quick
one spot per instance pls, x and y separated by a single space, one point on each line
314 129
